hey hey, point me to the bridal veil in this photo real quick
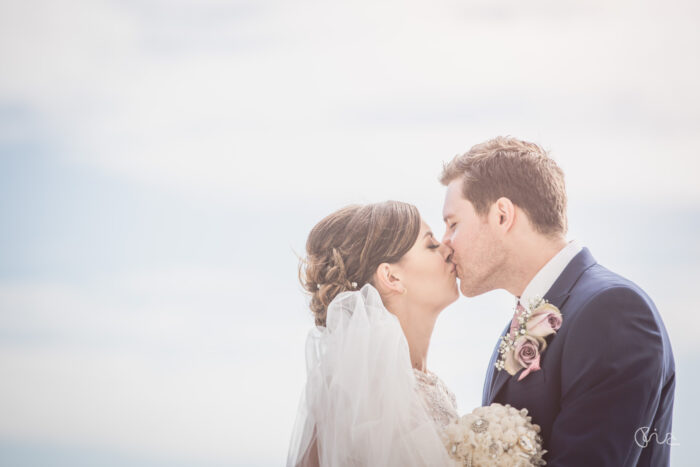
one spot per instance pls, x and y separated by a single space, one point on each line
360 406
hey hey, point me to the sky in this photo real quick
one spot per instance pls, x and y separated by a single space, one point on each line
161 164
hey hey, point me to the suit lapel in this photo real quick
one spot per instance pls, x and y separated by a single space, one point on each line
493 374
499 380
559 292
557 295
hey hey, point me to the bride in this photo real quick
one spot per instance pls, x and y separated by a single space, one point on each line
378 280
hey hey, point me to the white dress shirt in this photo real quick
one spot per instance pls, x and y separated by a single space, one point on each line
550 272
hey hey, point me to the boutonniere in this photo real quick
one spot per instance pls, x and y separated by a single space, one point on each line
523 349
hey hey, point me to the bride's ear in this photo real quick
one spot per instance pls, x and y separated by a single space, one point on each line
387 279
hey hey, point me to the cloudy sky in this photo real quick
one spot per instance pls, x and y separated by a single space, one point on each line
161 163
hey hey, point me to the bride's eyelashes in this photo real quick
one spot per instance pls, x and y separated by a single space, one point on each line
432 247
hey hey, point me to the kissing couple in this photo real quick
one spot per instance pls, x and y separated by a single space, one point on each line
584 363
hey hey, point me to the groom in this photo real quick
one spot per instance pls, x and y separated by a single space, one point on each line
603 389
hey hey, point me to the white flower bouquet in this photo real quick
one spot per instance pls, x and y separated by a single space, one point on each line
496 435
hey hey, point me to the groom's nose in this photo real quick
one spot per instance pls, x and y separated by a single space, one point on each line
446 240
446 252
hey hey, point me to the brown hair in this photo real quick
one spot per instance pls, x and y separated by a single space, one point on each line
348 245
515 169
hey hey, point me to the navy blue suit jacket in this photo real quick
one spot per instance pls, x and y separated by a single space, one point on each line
606 374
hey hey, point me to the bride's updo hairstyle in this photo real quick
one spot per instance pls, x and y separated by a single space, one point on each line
344 249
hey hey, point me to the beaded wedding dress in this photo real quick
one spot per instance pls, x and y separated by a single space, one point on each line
439 401
363 404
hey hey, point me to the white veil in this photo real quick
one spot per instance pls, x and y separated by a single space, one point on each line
360 406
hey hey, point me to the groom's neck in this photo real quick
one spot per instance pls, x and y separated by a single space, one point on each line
530 255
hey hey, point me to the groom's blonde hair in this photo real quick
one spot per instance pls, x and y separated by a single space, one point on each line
518 170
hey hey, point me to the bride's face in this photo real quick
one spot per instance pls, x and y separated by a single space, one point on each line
430 280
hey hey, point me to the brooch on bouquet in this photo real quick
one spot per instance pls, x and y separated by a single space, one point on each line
523 347
497 435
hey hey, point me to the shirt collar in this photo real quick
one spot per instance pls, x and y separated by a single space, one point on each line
545 277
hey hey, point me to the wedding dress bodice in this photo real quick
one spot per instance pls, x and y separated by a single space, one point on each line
438 399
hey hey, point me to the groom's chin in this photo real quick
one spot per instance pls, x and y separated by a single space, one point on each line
467 291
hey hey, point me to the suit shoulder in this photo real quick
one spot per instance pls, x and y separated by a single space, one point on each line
600 283
602 296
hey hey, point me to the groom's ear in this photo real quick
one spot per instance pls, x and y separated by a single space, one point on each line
504 212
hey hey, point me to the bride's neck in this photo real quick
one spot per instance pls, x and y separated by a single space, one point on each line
417 326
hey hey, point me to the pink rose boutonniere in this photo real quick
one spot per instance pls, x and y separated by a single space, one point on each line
523 350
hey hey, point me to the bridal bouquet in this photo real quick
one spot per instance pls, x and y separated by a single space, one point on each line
496 435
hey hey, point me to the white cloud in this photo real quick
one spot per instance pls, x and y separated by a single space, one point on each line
348 98
179 364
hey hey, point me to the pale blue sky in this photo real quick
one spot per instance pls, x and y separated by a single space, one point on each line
162 162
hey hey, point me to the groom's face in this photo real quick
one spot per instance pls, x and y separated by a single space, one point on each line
477 252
